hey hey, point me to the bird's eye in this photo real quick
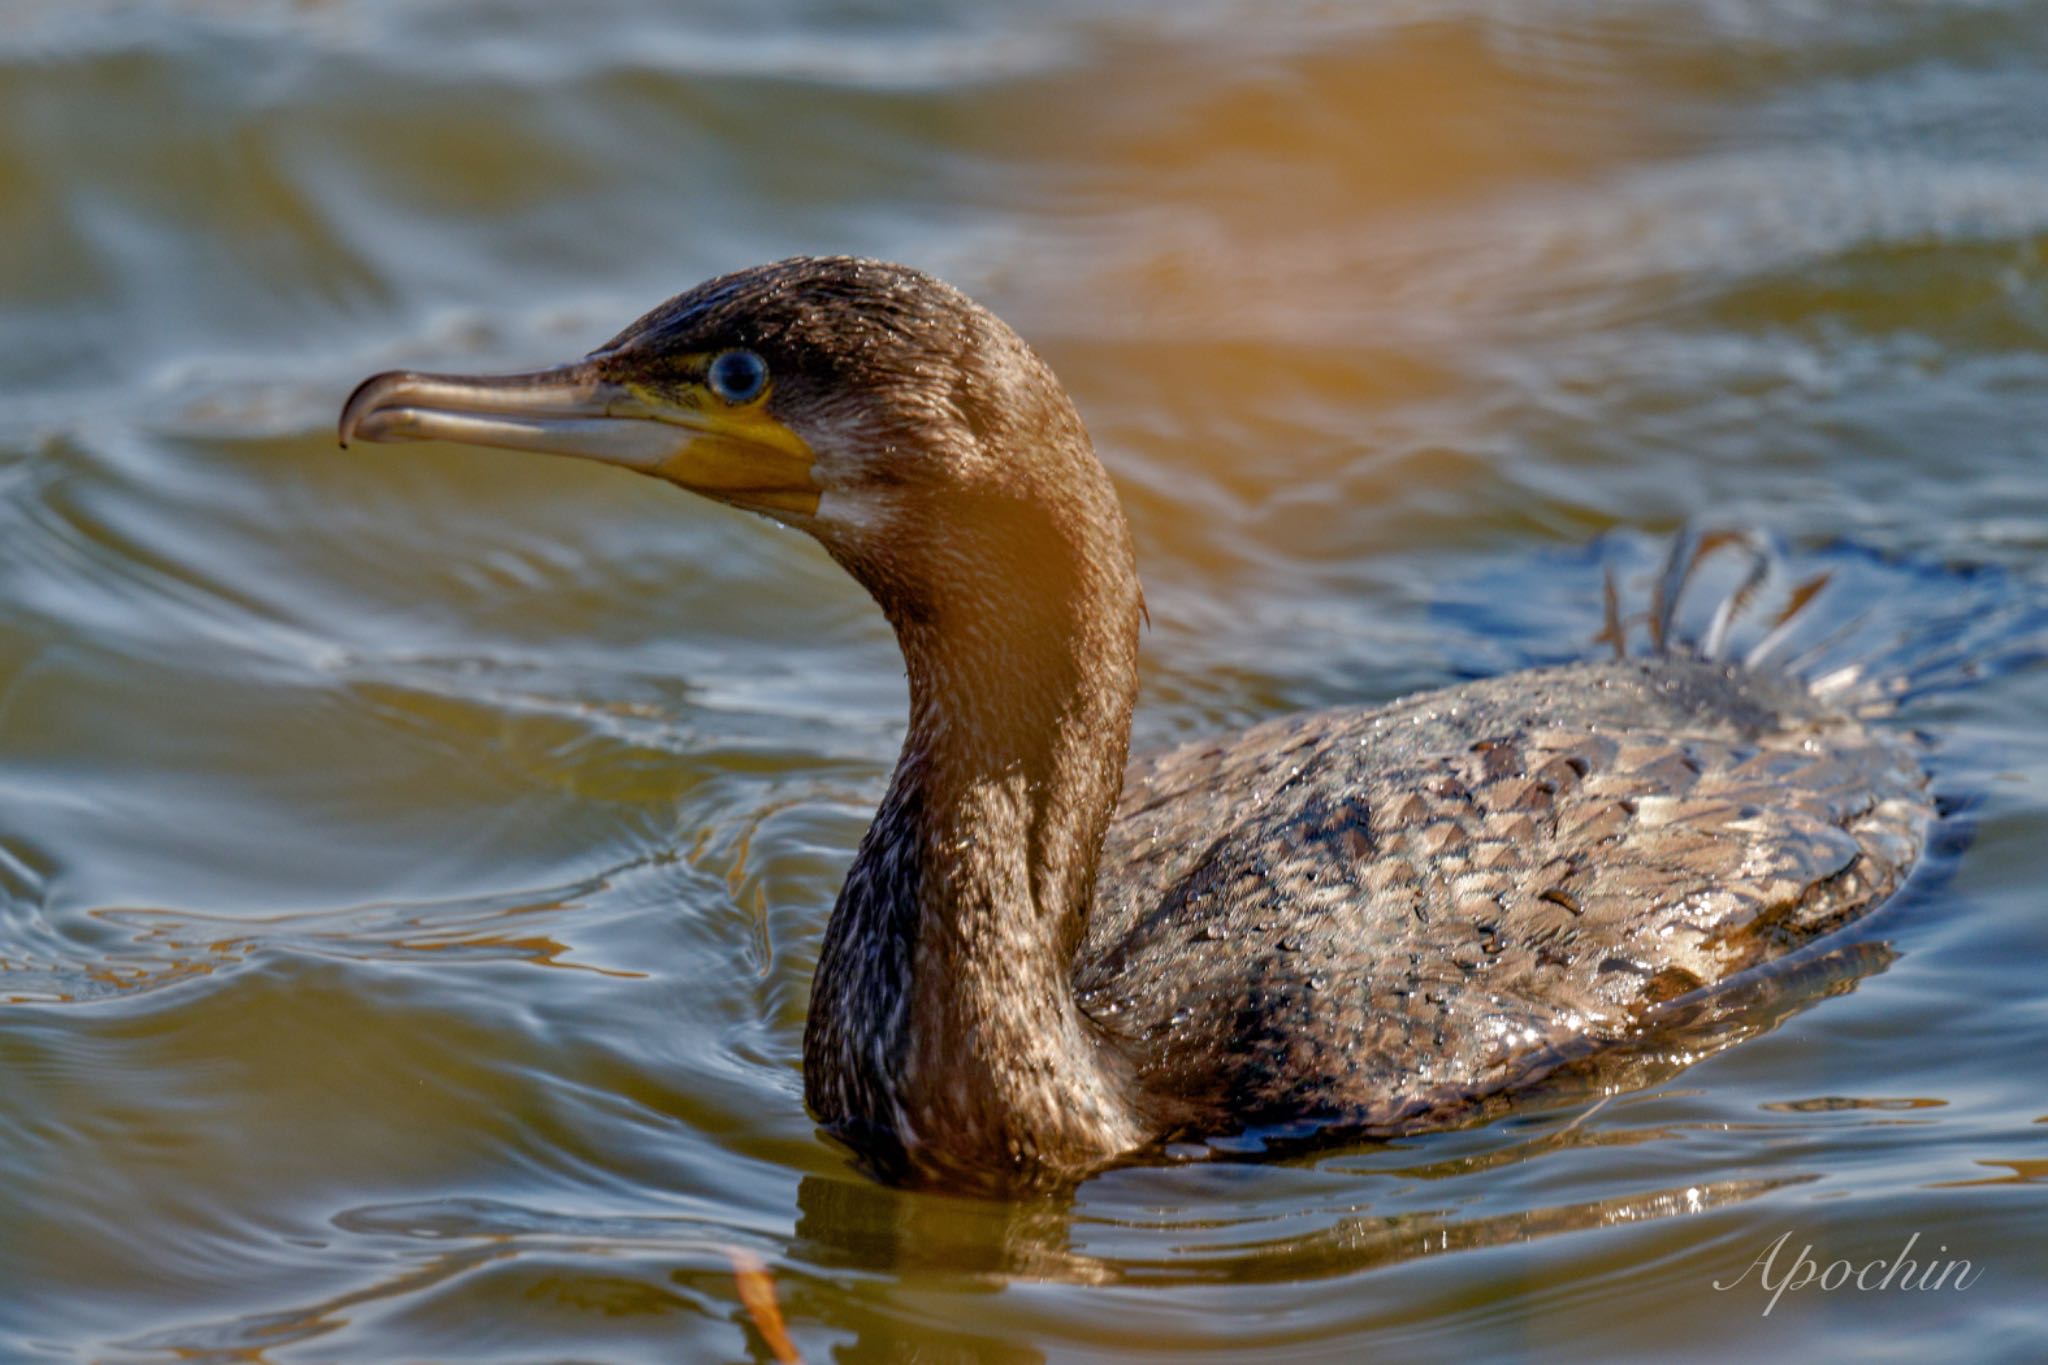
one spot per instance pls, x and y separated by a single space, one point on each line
738 376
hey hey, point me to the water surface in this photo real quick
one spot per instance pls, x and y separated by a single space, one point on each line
412 861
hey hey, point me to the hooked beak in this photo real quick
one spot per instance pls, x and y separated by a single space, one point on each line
736 455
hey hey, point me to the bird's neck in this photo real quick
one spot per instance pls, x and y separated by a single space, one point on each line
944 1032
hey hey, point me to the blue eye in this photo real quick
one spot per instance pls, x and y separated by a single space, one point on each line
738 376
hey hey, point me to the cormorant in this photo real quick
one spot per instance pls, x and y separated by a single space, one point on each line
1347 923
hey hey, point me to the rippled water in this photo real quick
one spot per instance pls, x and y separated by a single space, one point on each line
411 862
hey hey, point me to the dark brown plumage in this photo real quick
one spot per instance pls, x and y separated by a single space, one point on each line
1406 910
1346 923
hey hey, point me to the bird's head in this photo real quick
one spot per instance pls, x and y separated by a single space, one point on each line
882 411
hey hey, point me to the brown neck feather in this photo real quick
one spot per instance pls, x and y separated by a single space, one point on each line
944 1034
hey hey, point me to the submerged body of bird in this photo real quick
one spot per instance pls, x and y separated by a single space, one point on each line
1351 923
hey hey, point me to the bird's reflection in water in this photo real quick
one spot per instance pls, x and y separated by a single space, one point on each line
849 1223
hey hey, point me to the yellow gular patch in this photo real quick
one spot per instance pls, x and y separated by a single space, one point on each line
735 453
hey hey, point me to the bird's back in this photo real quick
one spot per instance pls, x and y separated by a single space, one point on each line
1370 920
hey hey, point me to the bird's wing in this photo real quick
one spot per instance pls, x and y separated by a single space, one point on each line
1377 916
